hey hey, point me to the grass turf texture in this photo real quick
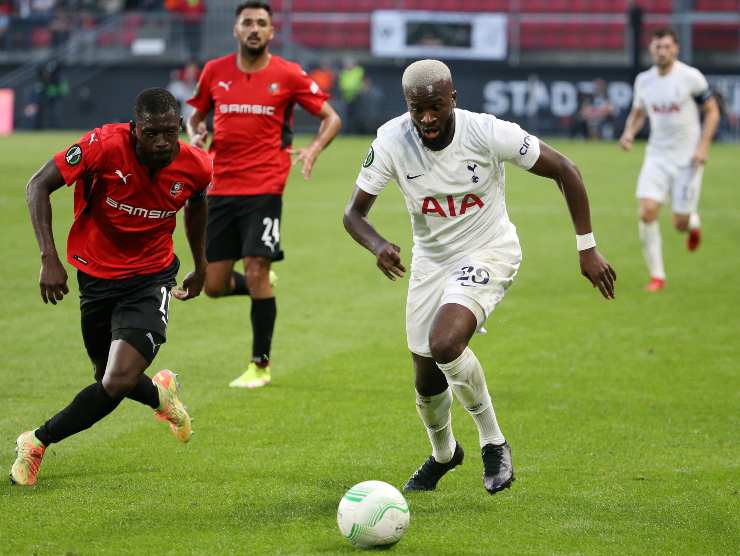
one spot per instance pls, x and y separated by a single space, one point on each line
623 416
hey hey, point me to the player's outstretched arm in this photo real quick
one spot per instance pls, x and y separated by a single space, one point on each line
635 121
552 164
355 220
196 128
53 277
330 124
196 216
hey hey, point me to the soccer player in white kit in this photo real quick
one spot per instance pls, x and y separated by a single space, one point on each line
449 164
669 93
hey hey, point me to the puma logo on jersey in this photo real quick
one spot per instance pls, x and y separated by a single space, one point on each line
125 178
225 84
430 205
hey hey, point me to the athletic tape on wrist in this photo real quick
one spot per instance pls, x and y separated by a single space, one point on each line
586 241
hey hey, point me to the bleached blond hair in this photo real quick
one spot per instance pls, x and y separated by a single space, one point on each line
424 74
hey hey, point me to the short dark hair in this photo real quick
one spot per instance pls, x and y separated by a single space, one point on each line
155 101
255 4
661 32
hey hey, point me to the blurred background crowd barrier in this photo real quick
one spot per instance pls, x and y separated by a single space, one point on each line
559 67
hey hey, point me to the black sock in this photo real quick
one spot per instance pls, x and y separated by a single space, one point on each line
145 392
240 284
87 408
264 312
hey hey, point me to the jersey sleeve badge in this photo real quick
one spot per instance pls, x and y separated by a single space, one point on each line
176 189
369 158
73 156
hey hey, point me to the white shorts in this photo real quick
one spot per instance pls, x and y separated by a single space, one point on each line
476 280
660 178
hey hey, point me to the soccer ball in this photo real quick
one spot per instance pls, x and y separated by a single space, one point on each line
373 513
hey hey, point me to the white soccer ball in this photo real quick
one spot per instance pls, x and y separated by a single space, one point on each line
373 513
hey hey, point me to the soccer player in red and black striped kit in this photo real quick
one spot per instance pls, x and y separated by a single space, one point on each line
130 181
252 94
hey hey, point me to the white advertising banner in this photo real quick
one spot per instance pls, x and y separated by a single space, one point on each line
414 34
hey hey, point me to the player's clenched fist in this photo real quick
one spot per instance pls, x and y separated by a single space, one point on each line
389 260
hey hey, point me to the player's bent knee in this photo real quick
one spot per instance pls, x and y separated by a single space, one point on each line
446 349
649 210
258 282
648 215
118 385
257 273
214 291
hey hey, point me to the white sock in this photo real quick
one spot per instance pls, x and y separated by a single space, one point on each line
435 413
694 221
465 377
652 248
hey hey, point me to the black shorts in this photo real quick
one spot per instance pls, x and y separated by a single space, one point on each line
244 226
134 309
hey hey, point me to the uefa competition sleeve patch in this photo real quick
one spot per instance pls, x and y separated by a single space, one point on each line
369 158
73 155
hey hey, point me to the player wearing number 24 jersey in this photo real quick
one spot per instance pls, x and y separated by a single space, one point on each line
449 165
252 94
130 181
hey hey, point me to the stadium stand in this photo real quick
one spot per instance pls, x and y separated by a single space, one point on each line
90 37
536 26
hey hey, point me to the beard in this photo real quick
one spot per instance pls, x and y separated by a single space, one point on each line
254 51
443 139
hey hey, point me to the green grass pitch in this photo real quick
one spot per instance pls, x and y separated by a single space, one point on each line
623 416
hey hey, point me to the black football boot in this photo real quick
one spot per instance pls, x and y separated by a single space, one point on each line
498 472
431 471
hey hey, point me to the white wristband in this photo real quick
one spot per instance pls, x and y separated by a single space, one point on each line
585 241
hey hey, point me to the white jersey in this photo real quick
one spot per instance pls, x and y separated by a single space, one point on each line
455 196
671 103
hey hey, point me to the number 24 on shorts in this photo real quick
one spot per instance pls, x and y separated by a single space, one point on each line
471 276
271 235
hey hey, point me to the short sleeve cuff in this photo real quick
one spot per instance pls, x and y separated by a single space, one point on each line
531 155
368 186
199 105
67 172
